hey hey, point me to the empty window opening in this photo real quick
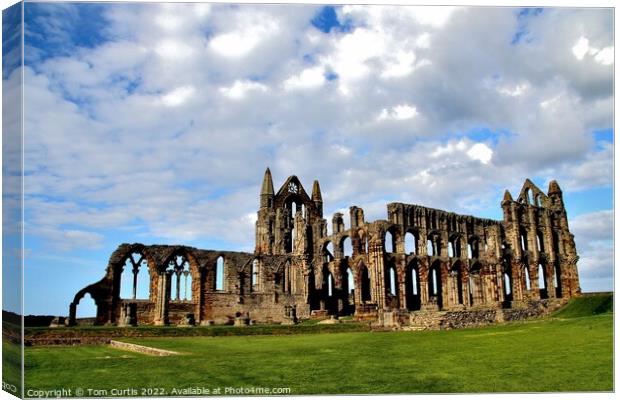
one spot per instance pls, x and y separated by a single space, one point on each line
542 282
350 281
135 278
293 239
180 279
347 247
219 273
528 195
414 281
507 284
434 282
254 276
86 308
329 252
330 285
187 294
527 278
540 242
392 281
410 243
473 248
430 249
450 249
389 242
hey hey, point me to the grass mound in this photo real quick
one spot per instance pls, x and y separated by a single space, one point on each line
587 305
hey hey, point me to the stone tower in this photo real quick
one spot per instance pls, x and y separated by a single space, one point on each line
538 245
289 221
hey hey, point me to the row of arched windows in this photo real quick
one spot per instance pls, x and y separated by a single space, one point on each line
433 245
135 281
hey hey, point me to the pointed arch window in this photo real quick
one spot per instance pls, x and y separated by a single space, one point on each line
254 275
219 273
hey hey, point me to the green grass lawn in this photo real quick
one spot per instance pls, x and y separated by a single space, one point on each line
11 366
587 305
561 354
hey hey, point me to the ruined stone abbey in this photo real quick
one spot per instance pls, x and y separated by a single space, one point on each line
418 260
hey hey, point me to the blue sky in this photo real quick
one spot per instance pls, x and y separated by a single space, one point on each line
154 123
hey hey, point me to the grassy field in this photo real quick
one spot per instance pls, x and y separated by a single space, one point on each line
308 326
586 306
11 366
561 354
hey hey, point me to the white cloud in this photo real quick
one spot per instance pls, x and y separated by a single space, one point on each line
431 15
603 56
178 96
423 41
480 152
594 240
252 30
514 91
400 112
402 65
309 78
580 49
174 49
240 88
168 22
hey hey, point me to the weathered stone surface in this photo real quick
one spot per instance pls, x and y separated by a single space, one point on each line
142 349
419 260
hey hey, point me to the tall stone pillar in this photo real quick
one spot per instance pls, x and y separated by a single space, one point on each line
160 301
401 274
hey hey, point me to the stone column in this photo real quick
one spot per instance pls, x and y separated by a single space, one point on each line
550 272
445 287
535 289
423 275
465 280
160 301
401 274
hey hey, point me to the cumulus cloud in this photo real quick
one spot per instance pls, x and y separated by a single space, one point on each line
166 123
594 240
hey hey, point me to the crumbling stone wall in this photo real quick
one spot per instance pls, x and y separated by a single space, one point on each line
418 259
